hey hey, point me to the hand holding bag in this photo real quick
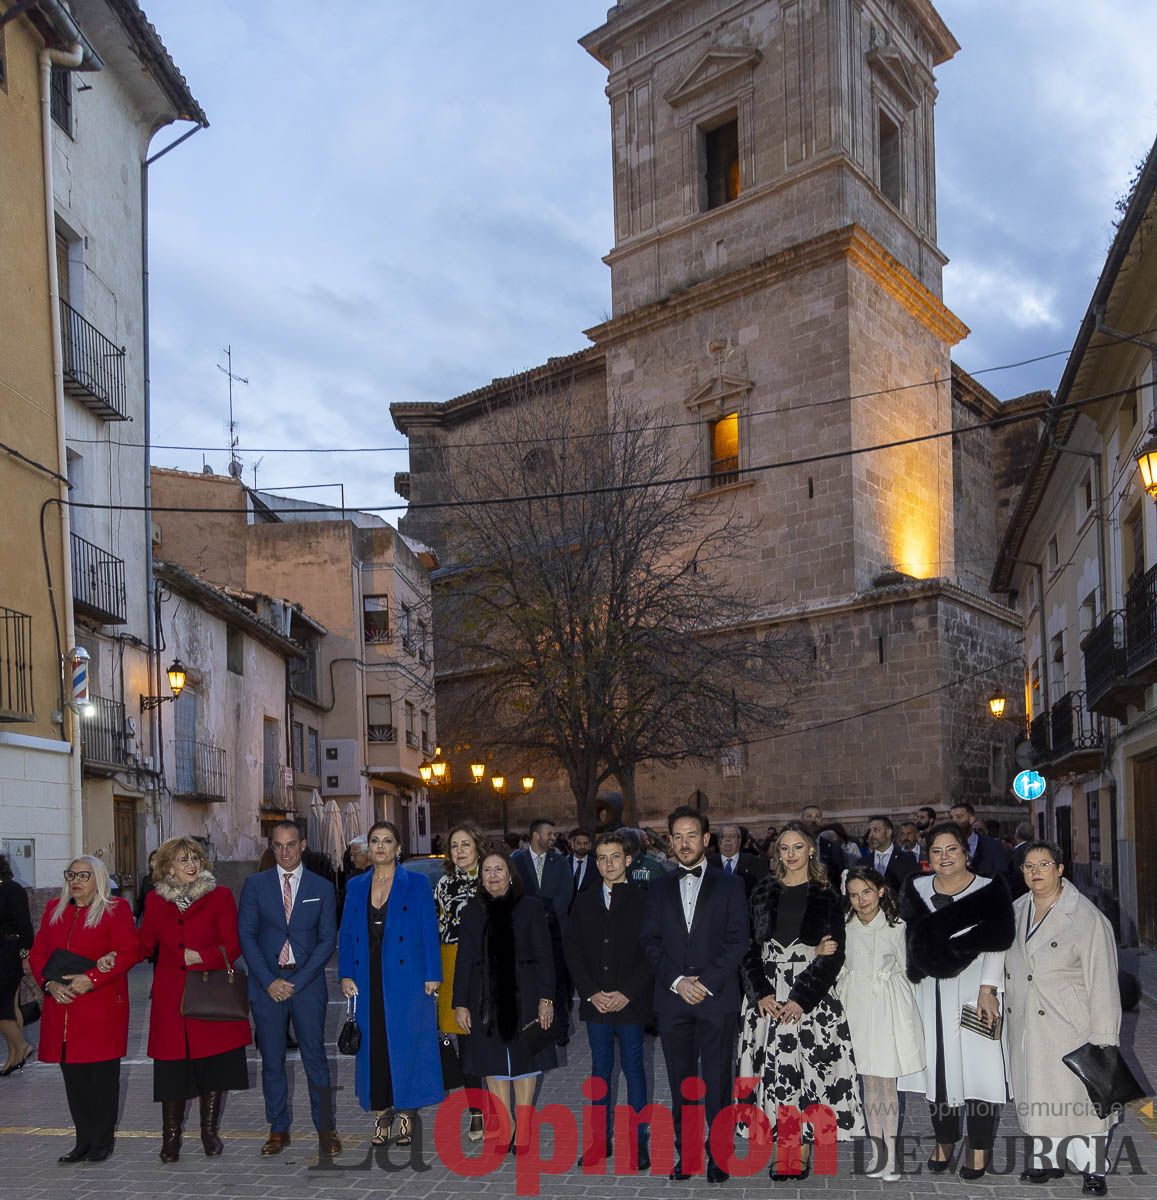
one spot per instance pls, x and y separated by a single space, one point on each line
971 1020
538 1039
66 962
216 995
1106 1077
349 1038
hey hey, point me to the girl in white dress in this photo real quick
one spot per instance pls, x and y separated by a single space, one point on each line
884 1018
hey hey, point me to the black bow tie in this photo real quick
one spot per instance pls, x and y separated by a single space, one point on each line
696 871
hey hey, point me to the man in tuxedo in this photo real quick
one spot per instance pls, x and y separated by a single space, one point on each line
830 851
546 873
287 920
1015 876
614 982
694 935
886 856
751 868
986 856
583 870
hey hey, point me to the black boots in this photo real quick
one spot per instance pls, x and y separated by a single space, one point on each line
172 1118
210 1122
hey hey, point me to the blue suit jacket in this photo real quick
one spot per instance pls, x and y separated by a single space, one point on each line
311 929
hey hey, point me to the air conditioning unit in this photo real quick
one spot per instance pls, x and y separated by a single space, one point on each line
340 767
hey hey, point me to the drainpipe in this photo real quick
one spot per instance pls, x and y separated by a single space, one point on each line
70 722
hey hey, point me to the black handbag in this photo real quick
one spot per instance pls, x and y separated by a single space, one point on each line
538 1039
1106 1077
349 1038
216 995
451 1066
66 962
29 996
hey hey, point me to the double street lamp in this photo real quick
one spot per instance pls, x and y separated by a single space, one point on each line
435 772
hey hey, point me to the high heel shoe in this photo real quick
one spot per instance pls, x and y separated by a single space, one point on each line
18 1068
939 1165
971 1173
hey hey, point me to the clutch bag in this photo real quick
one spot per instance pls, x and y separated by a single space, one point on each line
1106 1077
216 995
66 962
971 1020
538 1039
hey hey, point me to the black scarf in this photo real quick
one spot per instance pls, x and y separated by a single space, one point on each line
942 942
500 967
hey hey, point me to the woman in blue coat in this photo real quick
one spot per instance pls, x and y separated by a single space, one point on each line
389 957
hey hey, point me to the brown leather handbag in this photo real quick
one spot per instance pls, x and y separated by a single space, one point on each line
216 995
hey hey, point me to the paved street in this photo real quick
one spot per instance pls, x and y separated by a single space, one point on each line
34 1130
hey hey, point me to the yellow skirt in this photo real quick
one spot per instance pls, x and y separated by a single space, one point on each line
446 1021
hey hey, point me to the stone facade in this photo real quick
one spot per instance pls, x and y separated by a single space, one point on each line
805 301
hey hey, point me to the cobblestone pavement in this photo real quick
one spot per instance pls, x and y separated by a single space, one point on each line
34 1129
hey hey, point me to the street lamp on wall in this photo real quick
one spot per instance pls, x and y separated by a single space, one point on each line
996 704
1147 464
177 678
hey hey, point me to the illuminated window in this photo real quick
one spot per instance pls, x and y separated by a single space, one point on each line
725 450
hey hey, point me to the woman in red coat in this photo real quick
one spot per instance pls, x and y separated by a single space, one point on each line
84 1025
191 924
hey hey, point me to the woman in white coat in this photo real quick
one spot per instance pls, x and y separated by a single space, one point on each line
958 928
1060 992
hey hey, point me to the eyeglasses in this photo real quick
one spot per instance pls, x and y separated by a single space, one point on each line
78 876
1039 866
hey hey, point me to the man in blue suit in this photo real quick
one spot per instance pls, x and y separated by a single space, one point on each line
287 919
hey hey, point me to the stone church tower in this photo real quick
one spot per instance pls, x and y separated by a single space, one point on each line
776 288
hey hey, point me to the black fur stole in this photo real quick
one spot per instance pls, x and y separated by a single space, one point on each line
500 977
934 949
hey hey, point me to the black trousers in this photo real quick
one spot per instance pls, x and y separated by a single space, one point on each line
981 1116
700 1046
93 1091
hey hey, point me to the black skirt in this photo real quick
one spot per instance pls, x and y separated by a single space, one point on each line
11 970
187 1078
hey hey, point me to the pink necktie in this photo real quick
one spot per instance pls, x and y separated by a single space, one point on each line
286 955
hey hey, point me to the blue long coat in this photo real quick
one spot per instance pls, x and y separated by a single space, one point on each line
410 956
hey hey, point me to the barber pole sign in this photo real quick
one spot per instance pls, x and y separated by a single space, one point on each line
78 664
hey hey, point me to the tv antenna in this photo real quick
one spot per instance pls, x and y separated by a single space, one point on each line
234 441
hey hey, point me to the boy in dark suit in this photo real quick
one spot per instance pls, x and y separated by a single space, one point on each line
287 920
694 935
614 981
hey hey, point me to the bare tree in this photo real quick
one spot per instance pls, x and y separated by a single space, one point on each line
589 617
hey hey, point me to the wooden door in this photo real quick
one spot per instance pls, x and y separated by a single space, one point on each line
1145 847
125 840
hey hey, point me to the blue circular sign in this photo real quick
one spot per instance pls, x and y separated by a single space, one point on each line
1029 785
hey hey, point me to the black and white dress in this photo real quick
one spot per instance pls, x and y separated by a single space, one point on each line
809 1062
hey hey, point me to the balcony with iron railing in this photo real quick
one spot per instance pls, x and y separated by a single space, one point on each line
1108 688
15 666
1141 627
1077 737
98 582
94 367
272 784
201 771
724 471
381 734
103 741
1038 736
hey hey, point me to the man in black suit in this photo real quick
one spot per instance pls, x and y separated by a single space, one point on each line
614 982
582 864
831 852
1015 876
886 856
986 856
546 874
694 936
751 868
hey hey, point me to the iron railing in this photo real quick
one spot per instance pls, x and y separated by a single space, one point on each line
376 628
1104 650
1073 727
201 771
272 783
724 471
15 666
303 677
412 740
98 582
94 367
102 733
60 97
381 733
1038 735
1141 622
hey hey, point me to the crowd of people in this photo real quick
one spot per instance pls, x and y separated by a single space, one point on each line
817 969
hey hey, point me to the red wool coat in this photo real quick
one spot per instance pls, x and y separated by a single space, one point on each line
205 926
95 1025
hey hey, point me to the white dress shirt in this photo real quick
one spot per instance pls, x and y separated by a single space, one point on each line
734 861
294 884
581 865
689 886
881 859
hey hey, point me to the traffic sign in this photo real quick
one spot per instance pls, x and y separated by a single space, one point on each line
1029 785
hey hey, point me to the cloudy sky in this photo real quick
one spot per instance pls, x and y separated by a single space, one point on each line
400 202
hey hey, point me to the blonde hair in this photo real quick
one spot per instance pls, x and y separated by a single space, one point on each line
816 871
101 903
169 851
